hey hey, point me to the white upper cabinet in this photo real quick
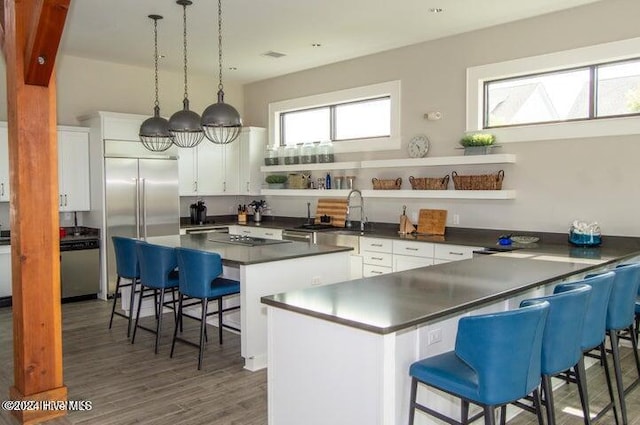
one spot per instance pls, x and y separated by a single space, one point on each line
4 163
73 169
252 145
231 169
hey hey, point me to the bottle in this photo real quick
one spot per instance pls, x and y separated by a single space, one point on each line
327 183
325 151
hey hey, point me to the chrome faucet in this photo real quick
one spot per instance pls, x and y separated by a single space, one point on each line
350 207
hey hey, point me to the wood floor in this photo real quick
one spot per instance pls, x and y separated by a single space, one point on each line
128 384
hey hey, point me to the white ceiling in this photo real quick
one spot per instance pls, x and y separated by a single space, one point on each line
120 31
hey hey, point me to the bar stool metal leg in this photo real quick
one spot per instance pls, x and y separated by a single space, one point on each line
159 321
132 297
203 326
489 417
581 381
115 301
412 407
615 351
548 398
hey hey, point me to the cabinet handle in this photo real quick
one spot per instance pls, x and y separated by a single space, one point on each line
379 245
60 204
224 186
246 231
65 200
377 258
456 253
375 272
247 186
268 234
411 249
195 186
2 189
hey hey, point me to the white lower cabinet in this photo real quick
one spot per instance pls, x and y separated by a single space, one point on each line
445 253
355 266
377 256
5 271
409 255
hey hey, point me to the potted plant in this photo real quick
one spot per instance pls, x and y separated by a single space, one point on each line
478 143
276 181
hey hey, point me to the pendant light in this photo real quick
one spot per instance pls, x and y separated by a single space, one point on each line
184 125
221 122
154 131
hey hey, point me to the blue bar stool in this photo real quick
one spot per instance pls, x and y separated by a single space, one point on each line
127 268
157 272
562 338
620 317
593 336
495 362
200 278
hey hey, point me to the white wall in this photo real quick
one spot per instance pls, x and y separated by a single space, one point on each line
557 181
86 86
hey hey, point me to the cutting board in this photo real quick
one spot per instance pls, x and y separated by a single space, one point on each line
432 222
334 208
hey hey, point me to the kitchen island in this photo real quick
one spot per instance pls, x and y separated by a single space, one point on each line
353 367
265 268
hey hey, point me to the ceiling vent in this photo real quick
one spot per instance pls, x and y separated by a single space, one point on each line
273 54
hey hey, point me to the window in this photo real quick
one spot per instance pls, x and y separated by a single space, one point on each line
597 91
588 92
358 119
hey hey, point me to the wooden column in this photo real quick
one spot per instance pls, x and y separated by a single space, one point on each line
32 31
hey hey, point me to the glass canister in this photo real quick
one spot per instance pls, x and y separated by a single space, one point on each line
291 155
271 156
325 151
308 153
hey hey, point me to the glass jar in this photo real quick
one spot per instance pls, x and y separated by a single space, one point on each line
325 151
271 156
291 155
308 153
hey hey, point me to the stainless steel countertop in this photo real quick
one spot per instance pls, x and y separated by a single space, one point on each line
245 255
391 302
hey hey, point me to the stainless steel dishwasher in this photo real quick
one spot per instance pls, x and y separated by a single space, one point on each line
80 268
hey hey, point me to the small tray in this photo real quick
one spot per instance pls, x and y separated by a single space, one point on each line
525 239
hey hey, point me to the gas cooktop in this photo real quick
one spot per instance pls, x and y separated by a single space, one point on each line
243 240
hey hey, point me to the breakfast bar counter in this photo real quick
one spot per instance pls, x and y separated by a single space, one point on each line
361 336
263 268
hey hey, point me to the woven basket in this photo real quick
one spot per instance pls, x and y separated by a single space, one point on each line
391 184
297 181
429 183
478 182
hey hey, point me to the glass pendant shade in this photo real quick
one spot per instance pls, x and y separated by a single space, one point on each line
221 122
154 132
184 125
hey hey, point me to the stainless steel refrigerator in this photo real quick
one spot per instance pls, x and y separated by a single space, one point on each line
142 200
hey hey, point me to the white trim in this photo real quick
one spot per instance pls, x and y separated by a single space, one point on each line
476 76
390 88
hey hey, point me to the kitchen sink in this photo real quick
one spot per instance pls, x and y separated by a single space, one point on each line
348 238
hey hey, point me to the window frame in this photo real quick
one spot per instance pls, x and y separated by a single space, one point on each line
389 89
619 51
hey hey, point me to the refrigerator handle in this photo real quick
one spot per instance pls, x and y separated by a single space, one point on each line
137 209
144 207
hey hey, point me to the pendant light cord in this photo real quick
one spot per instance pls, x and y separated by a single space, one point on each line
155 60
220 43
184 45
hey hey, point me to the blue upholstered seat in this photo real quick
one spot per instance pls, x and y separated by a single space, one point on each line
496 361
620 317
157 272
593 334
200 277
562 335
126 267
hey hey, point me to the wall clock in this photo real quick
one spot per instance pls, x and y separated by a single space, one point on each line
418 146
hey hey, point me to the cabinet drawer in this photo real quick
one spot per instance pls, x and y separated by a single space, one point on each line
406 262
369 270
378 258
454 252
415 249
376 244
270 233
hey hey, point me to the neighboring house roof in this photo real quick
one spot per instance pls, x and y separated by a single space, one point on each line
612 96
511 105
